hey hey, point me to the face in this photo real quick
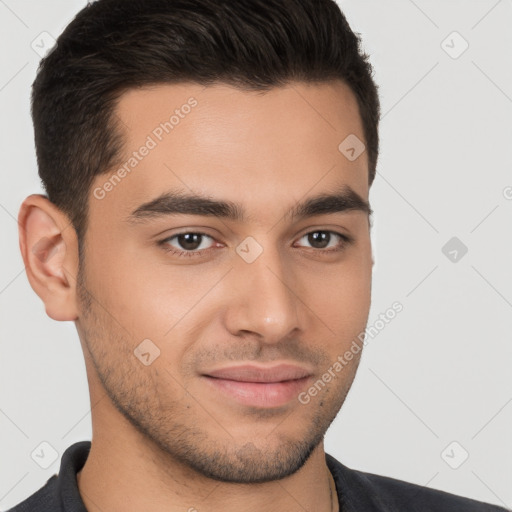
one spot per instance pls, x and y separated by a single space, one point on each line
214 322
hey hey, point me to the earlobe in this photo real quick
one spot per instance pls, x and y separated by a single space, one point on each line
49 249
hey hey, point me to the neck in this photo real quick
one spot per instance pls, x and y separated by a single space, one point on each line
125 472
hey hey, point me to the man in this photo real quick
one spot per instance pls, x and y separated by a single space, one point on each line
207 166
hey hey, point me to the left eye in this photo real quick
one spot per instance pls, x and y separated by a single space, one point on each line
324 237
191 243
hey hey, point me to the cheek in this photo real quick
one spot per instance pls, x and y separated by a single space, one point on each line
147 299
341 295
343 308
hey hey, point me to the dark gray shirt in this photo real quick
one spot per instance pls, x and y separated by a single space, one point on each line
357 491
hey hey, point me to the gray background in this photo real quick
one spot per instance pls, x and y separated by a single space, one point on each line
440 371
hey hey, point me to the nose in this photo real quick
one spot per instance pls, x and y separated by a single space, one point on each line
264 301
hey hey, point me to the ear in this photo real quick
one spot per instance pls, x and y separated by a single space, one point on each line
49 248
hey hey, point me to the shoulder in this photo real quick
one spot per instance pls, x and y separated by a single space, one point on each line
358 489
43 500
61 491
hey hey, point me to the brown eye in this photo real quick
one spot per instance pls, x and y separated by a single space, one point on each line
186 244
189 241
324 239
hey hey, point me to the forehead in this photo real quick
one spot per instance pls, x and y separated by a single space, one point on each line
262 149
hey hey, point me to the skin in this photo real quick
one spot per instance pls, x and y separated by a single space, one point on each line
161 435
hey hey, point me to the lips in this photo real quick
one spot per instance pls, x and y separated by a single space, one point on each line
259 386
250 373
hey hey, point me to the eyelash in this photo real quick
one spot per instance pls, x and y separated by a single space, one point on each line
346 240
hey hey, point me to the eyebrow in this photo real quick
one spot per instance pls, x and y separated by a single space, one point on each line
182 203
